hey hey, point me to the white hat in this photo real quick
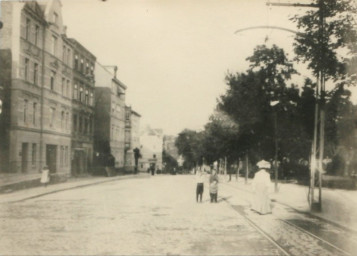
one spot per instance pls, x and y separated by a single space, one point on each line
263 164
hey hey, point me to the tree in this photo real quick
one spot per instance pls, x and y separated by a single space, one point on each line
188 144
327 30
249 95
220 138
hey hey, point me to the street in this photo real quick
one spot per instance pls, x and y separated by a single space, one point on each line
159 216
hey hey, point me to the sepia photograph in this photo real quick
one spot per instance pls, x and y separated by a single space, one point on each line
178 127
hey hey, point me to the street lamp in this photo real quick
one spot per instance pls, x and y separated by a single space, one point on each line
274 103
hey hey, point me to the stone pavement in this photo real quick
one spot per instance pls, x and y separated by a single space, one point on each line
338 206
151 216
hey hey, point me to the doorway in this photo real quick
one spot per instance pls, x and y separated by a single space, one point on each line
24 157
51 157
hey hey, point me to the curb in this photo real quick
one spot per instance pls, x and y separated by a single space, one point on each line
77 186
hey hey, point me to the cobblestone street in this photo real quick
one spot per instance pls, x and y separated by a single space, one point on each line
153 216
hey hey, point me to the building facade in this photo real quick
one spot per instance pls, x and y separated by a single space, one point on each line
132 137
109 132
39 110
151 148
82 108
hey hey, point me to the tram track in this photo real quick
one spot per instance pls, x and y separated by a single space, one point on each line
333 247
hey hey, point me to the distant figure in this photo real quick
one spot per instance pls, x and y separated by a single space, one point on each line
200 179
261 184
45 176
213 186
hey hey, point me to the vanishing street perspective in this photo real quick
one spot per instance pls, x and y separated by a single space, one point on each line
178 127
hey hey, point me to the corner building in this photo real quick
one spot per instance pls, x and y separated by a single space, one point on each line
39 109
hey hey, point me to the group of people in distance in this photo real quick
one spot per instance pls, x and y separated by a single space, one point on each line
261 184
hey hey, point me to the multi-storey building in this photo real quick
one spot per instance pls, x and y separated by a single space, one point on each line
40 107
109 130
82 108
132 137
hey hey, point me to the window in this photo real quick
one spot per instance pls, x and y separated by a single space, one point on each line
27 63
87 97
81 97
75 92
86 126
68 56
90 125
52 84
63 86
74 122
92 70
25 110
35 73
34 153
64 53
61 156
62 119
34 113
66 151
76 61
52 116
91 99
87 68
67 120
37 34
82 65
27 29
80 125
54 45
68 89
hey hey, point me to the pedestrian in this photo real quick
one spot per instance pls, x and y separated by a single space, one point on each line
200 179
261 184
45 176
213 186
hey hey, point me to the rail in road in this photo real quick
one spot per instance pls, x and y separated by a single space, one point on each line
296 239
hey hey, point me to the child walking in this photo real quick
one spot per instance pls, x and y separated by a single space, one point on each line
213 186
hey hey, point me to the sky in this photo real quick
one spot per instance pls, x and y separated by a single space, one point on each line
173 55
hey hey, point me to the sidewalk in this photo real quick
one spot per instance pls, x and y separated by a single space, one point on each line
338 206
71 183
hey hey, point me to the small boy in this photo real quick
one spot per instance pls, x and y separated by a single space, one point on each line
213 186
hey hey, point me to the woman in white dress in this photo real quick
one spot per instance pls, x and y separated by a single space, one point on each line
261 184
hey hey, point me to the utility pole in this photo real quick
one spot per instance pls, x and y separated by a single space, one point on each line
319 119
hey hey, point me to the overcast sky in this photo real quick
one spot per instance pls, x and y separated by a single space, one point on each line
173 54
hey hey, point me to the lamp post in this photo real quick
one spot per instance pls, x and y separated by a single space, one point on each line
274 103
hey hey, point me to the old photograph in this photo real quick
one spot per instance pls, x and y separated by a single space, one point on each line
178 127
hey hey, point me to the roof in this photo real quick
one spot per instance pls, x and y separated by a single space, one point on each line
78 45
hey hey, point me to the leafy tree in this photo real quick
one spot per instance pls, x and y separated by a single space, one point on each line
326 30
249 95
220 138
188 144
